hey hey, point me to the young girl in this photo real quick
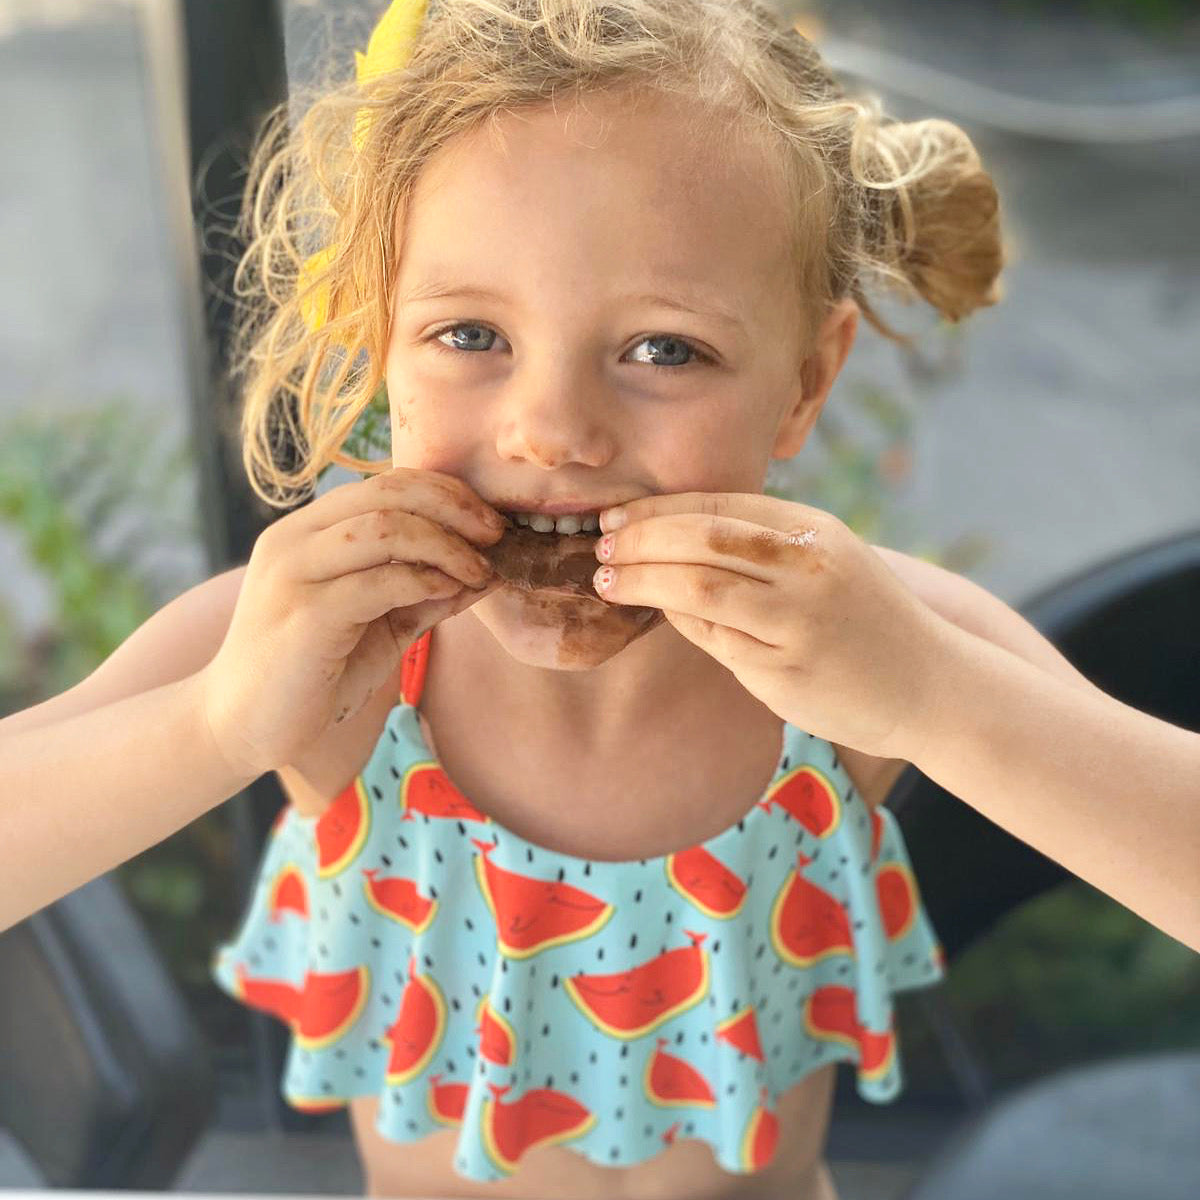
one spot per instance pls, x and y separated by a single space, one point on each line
578 893
577 900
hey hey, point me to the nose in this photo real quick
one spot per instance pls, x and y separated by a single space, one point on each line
552 422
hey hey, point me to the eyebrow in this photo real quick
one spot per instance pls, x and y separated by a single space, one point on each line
436 290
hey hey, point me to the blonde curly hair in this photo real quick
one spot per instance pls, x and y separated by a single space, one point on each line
903 205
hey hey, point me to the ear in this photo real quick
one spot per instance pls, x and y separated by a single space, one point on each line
817 373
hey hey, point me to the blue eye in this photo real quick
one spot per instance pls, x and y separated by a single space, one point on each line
700 357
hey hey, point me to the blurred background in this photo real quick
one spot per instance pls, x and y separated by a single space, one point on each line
1040 436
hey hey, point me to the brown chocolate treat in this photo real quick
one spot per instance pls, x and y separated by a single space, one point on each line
565 562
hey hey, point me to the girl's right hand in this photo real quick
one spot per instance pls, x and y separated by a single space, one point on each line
333 595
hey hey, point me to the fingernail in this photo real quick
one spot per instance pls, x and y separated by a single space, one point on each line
604 547
603 578
612 518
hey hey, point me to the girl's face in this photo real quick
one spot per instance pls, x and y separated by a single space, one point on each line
594 307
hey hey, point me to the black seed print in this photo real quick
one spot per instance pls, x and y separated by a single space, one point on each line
324 914
662 949
528 854
400 839
387 1000
741 826
399 977
866 870
454 1004
426 816
375 943
642 862
337 888
326 1086
637 896
816 853
773 851
833 874
592 1057
785 760
620 1112
462 829
624 1049
482 960
339 1054
600 952
858 924
354 918
412 1126
750 879
529 1006
689 1128
437 854
377 793
475 989
324 952
716 945
554 981
504 966
359 1072
670 916
614 1153
561 874
574 1076
909 959
470 1051
507 1004
481 1068
679 1038
387 862
546 1033
624 1081
799 838
270 943
761 1004
759 952
712 1002
632 940
373 1043
731 1089
845 860
776 1019
396 1098
648 1130
392 735
843 969
428 961
468 923
532 970
549 1081
432 892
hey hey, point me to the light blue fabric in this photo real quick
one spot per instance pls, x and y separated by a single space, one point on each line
601 1093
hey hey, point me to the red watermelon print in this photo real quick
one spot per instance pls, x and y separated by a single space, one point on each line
542 1117
287 893
629 1004
669 1081
532 915
446 1101
497 1039
808 796
761 1136
741 1032
807 924
427 789
399 900
830 1013
706 882
342 829
897 892
418 1029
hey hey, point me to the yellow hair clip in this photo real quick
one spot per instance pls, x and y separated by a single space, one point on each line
389 48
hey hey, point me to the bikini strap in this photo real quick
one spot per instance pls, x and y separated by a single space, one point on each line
412 672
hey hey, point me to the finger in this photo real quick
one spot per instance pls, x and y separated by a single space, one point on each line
754 550
444 498
383 535
761 509
363 596
710 594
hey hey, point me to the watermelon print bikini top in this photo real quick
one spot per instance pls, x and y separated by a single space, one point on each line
424 954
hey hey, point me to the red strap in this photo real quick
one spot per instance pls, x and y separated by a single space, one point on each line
412 673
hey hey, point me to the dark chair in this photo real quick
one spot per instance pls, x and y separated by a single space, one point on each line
105 1080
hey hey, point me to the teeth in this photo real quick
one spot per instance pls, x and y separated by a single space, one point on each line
569 523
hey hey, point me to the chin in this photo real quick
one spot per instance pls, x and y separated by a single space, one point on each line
562 630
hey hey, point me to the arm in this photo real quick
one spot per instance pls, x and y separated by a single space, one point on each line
1109 792
82 795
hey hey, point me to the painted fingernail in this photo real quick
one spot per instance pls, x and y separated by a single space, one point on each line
604 547
603 578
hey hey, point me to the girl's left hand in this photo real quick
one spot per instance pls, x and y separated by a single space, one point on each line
806 615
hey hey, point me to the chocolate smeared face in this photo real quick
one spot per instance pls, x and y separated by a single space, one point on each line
550 576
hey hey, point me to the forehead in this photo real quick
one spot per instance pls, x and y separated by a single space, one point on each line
636 191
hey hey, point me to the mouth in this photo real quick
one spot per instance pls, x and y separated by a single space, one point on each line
565 524
554 559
